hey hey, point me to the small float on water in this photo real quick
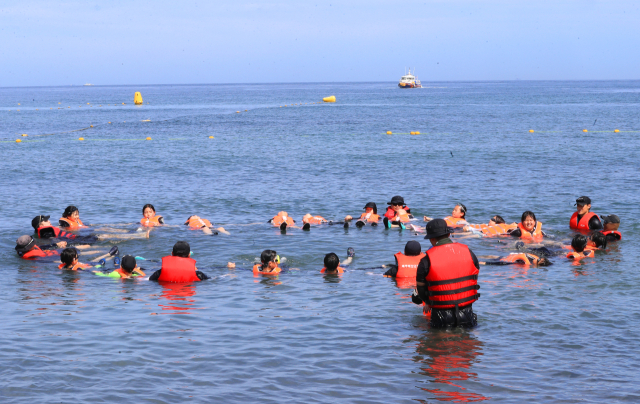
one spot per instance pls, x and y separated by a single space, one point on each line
409 81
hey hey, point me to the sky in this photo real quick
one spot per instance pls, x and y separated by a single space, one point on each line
48 43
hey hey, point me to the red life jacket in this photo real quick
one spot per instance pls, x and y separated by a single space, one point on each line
70 223
151 221
178 269
613 233
453 278
369 217
37 252
340 270
391 214
408 265
282 217
535 235
455 221
584 221
54 232
257 269
577 256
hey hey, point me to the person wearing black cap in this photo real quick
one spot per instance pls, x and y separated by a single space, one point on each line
582 219
44 229
406 264
128 269
447 279
370 216
611 225
178 267
27 249
397 213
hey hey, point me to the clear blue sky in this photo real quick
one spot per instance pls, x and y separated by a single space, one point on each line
180 42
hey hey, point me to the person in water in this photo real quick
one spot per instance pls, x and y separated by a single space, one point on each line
69 259
45 230
522 258
579 246
309 219
583 219
495 227
27 248
406 265
269 261
332 263
128 269
71 219
397 213
178 267
197 223
282 220
457 218
150 218
447 279
611 224
528 228
370 216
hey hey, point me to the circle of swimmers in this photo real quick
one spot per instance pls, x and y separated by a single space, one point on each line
445 276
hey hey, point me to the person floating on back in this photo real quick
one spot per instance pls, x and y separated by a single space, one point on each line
309 219
583 219
457 218
71 219
282 220
178 267
198 223
397 213
27 249
149 217
370 216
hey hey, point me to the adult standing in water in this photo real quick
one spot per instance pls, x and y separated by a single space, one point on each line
447 279
582 219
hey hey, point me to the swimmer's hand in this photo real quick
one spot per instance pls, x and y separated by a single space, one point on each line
161 220
427 219
348 217
231 265
206 230
223 231
61 244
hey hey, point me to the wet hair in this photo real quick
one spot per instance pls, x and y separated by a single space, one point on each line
579 242
412 248
331 261
148 206
527 214
599 239
463 209
69 211
186 222
267 256
373 206
544 262
498 219
128 263
181 249
68 255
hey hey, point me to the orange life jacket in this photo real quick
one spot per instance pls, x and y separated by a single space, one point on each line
53 232
123 273
71 224
198 223
340 270
498 229
453 278
455 221
369 217
577 256
77 266
584 221
535 235
391 214
257 269
515 257
178 269
613 233
408 264
317 220
478 226
151 221
282 217
37 252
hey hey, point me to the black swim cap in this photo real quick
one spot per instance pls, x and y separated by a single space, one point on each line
412 248
128 263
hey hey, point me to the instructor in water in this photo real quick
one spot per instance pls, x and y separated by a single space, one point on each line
447 279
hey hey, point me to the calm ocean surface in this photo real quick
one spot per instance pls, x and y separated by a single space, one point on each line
561 334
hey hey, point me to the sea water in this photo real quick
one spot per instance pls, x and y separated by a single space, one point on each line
564 333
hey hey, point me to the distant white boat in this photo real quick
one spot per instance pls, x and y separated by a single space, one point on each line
88 84
409 81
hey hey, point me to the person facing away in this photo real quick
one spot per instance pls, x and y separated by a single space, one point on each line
332 263
128 269
178 267
406 264
268 263
583 219
447 279
579 246
69 259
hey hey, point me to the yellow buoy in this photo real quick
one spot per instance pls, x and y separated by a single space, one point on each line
88 104
416 133
389 132
137 98
245 110
530 130
80 138
18 103
616 130
210 137
59 103
37 109
123 103
109 122
148 138
24 135
584 130
237 112
18 140
91 126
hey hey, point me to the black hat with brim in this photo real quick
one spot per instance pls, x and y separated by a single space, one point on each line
396 200
39 219
611 219
583 200
437 228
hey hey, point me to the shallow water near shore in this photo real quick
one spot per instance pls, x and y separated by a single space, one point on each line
559 334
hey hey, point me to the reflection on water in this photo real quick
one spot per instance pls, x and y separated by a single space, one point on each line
447 358
180 296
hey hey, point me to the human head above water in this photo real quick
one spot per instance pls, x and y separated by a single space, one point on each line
583 205
39 221
181 249
496 220
268 256
372 206
412 248
331 261
611 222
579 242
69 255
599 239
69 211
148 210
528 220
128 263
459 211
